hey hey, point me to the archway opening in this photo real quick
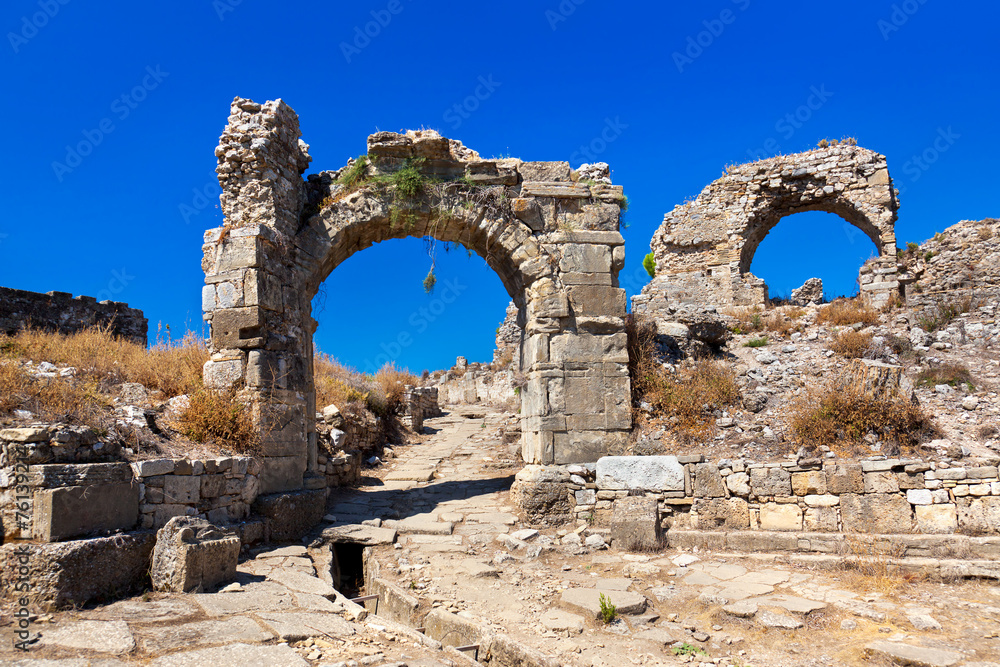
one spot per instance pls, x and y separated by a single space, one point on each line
813 244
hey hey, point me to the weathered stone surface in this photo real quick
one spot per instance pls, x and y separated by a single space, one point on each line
193 555
66 573
979 516
291 515
63 313
876 513
708 482
809 483
914 656
810 293
451 629
561 621
359 534
774 516
75 511
771 619
766 482
731 514
936 518
844 478
102 636
296 626
234 655
640 473
588 601
635 524
201 633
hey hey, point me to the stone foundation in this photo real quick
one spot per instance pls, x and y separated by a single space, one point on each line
892 496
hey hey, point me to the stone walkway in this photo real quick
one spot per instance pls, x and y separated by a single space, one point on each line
444 531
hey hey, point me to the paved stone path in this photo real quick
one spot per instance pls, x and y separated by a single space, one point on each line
444 531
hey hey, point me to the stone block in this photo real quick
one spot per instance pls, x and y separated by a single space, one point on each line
731 514
809 483
635 524
979 516
708 482
222 374
582 446
451 629
238 253
780 517
192 555
64 574
282 473
820 519
881 482
75 511
932 519
597 301
182 489
587 348
585 258
919 497
545 171
556 190
237 328
844 478
766 482
291 515
640 473
876 513
153 467
213 486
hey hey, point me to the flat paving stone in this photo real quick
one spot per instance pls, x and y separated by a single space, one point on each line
659 636
913 656
101 636
588 601
478 570
493 517
613 584
303 583
296 626
67 662
412 474
725 571
741 609
414 525
697 578
235 655
283 552
739 591
137 611
258 596
562 621
201 633
766 577
772 619
792 603
359 534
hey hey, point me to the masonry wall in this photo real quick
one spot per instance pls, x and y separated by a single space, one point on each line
64 313
892 496
421 403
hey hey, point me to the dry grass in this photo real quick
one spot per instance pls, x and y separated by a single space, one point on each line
953 374
223 418
688 396
173 368
841 418
845 312
54 399
852 344
381 394
781 321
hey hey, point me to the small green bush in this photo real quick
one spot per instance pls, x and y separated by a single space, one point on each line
356 174
608 611
687 649
649 263
757 342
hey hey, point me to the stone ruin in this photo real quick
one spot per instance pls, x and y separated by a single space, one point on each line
705 247
64 313
554 242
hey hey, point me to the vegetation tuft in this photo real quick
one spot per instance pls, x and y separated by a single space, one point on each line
845 312
223 418
649 263
852 344
608 611
952 374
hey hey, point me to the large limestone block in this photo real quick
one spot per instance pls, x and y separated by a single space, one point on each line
588 601
979 516
585 258
74 511
731 514
877 513
766 482
193 555
936 518
543 494
845 478
291 515
809 483
780 516
708 482
640 473
635 524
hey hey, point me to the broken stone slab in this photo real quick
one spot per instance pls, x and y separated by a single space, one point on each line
234 655
297 626
255 597
913 656
792 603
169 638
588 601
659 636
138 611
478 570
359 534
418 525
640 473
741 609
561 621
300 582
103 636
411 475
771 619
193 555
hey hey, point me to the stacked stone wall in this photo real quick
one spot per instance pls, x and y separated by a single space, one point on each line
421 403
890 496
63 313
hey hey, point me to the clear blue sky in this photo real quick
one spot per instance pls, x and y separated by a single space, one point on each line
898 76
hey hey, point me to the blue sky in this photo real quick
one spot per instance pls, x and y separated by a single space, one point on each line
666 93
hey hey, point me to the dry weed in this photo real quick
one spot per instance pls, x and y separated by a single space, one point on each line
845 312
224 418
852 344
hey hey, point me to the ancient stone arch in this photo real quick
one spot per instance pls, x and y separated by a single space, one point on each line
554 242
705 247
